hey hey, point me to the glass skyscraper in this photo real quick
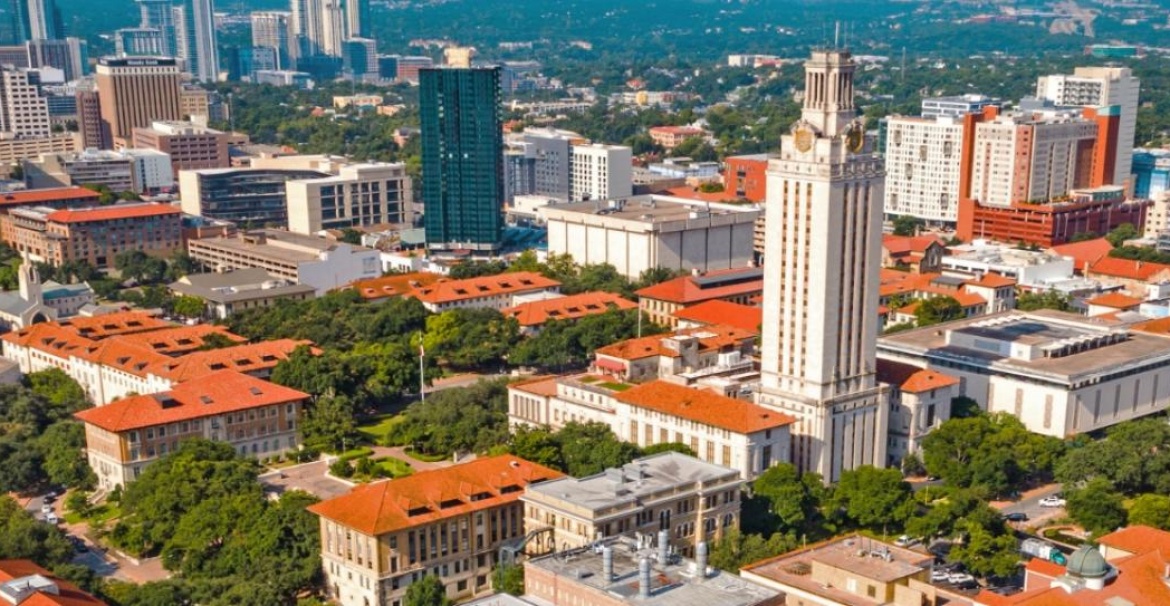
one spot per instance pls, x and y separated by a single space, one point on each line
462 158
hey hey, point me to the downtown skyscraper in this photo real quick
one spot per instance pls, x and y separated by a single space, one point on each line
195 38
462 158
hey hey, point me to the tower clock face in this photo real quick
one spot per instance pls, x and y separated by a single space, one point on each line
855 138
803 137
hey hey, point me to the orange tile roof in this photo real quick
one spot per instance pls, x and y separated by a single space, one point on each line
1084 253
380 507
899 245
1139 581
110 213
486 286
910 378
1161 326
684 290
717 336
1115 300
179 339
394 285
990 280
118 323
43 196
68 593
246 358
214 394
540 386
715 311
702 406
536 313
1125 268
1044 567
966 299
1138 539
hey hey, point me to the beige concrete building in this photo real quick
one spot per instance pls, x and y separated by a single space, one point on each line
821 278
677 498
15 150
230 292
366 194
190 146
134 92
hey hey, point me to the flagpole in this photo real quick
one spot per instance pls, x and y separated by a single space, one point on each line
422 377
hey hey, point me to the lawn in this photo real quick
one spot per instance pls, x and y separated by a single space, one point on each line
394 468
101 513
426 458
616 386
377 430
356 453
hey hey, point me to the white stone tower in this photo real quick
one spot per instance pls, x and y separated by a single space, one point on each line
821 260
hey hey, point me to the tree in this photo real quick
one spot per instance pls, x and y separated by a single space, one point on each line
469 419
470 337
589 448
329 424
23 537
906 225
189 306
1123 232
508 578
1049 299
1097 507
986 553
1150 510
873 498
350 235
994 452
736 549
1134 457
427 591
58 388
78 502
794 498
936 310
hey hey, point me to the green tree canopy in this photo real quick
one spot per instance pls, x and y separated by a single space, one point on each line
427 591
937 310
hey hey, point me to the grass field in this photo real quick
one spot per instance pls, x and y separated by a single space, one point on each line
377 430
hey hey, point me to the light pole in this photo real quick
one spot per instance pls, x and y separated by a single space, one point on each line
422 372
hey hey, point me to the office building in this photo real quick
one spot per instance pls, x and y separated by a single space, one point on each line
24 113
283 77
190 147
1029 159
94 235
689 500
644 232
70 55
600 172
552 149
725 431
322 26
1151 173
139 42
409 67
159 15
246 196
227 293
823 249
24 582
626 572
195 39
375 193
849 571
133 92
360 57
956 106
462 158
274 29
452 522
923 156
256 417
1057 372
14 23
1098 87
44 20
141 171
323 264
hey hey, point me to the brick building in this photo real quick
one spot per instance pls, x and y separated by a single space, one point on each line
95 235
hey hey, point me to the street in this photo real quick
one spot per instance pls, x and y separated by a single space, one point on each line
1029 505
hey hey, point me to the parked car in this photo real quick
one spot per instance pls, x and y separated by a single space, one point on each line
905 541
960 578
939 575
46 508
1053 501
52 518
1017 516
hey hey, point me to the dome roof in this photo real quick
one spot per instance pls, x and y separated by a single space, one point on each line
1088 563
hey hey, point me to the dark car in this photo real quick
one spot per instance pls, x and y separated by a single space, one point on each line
1017 516
78 544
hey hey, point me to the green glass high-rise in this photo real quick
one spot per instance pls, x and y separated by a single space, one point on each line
462 158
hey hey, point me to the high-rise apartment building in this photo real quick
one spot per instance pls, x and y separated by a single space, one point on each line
462 158
14 23
823 247
70 55
24 113
923 166
274 29
1027 158
157 14
377 193
1095 87
89 120
134 92
321 27
44 20
552 149
600 172
956 106
360 56
195 38
356 17
139 42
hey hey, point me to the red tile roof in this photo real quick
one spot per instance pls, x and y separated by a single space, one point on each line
395 285
118 323
246 358
705 407
1161 326
540 386
1126 269
715 311
710 337
179 339
1115 300
380 507
216 393
68 593
109 213
899 245
992 281
912 379
45 196
536 313
486 286
1138 539
1139 582
686 291
1084 253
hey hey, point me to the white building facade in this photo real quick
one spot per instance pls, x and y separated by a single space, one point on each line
1098 86
600 172
922 168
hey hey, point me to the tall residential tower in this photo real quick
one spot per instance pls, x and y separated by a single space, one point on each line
822 250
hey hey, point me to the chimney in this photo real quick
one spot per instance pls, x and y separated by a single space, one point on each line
663 547
607 563
644 578
701 560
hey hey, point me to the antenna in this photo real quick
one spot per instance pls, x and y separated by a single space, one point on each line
837 35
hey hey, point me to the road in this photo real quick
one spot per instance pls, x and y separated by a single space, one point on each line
1029 505
463 380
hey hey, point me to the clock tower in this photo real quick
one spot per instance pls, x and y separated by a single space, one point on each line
821 259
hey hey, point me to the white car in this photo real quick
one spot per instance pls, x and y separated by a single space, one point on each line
52 518
46 508
939 575
905 541
960 578
1053 501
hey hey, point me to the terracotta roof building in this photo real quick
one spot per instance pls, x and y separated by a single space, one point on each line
980 295
533 314
748 318
256 417
920 401
496 292
1131 276
395 285
24 583
919 254
720 430
1084 253
380 537
118 354
716 357
1111 303
95 235
662 300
